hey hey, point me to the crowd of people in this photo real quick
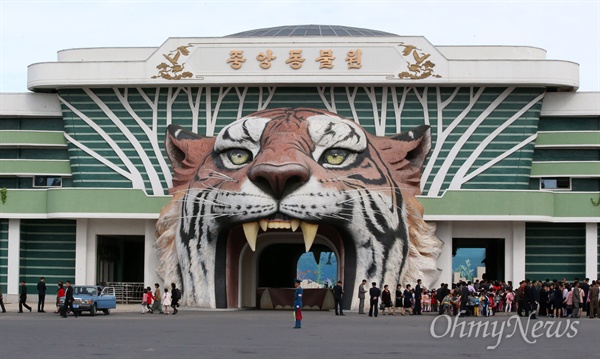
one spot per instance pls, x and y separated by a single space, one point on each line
552 299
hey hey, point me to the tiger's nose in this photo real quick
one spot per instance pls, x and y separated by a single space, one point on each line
278 179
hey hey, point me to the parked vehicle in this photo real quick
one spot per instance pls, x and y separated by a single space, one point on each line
92 298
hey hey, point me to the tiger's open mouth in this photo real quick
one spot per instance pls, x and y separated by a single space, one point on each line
280 221
264 253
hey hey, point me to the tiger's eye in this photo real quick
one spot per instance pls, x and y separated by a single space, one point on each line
238 156
335 156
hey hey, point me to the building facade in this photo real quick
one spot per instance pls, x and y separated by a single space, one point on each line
514 167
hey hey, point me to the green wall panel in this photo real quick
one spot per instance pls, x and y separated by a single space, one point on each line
38 167
565 169
566 154
555 251
587 138
37 138
548 204
569 123
31 123
34 153
47 250
71 202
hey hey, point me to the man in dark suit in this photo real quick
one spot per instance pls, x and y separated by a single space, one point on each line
68 301
586 290
418 293
338 293
530 300
440 295
23 297
464 300
594 307
374 294
41 288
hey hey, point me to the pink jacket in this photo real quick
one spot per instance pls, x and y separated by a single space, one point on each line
510 297
570 298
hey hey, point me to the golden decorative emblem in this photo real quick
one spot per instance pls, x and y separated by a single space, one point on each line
419 67
174 70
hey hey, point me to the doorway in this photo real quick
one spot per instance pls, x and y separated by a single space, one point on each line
477 258
120 259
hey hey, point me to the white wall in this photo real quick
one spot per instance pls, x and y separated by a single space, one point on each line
14 253
591 250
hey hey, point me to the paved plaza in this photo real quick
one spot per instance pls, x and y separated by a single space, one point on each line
126 333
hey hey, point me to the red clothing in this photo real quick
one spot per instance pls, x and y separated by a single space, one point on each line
61 292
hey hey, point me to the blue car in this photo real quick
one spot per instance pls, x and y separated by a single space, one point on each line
92 298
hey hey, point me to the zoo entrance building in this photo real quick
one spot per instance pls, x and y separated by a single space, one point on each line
514 166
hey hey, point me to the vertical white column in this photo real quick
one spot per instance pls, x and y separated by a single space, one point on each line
518 253
444 233
591 250
81 249
14 253
508 256
91 254
150 259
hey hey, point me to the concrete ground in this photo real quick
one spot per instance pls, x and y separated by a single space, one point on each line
126 333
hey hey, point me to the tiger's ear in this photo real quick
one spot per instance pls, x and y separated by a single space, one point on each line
186 151
404 154
418 143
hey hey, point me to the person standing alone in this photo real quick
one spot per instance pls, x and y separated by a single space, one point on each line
41 288
361 296
298 303
23 297
418 293
338 295
374 294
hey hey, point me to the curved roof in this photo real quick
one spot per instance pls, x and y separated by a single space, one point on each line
310 30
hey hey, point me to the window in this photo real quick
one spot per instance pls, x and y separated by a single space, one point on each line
47 181
563 183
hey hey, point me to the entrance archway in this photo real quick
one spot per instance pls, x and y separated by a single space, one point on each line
274 262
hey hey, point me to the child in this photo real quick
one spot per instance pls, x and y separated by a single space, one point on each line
476 305
484 301
149 299
510 297
447 304
426 300
145 301
166 301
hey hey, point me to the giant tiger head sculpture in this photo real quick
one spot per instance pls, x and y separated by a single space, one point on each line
289 169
